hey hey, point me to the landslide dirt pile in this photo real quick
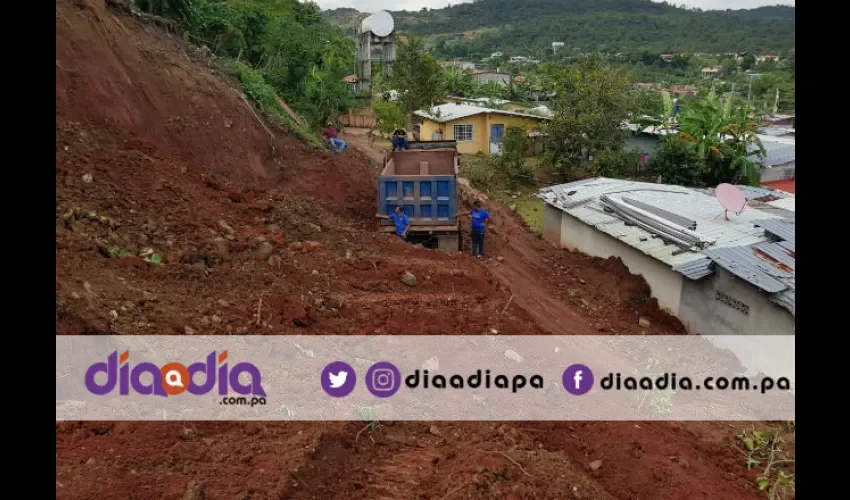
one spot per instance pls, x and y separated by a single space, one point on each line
177 213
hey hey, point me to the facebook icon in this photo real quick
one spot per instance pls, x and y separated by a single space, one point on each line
577 379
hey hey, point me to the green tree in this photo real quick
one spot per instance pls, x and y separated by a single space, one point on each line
646 103
677 161
389 115
459 83
724 134
175 9
489 89
416 76
511 161
589 108
616 162
749 62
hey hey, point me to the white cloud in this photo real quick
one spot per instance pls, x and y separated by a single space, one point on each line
376 5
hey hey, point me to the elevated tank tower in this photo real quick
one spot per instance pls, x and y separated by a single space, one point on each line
375 43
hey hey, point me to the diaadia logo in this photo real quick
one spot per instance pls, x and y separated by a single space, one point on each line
172 379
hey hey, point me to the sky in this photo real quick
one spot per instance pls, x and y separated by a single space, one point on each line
376 5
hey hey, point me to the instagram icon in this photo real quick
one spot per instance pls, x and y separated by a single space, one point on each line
383 379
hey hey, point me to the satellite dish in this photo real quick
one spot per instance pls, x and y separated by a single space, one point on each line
731 198
380 24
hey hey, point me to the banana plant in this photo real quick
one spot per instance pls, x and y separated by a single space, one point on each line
724 133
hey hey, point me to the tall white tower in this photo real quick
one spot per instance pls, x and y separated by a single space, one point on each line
374 43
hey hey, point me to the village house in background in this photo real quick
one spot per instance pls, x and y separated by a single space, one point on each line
486 102
482 77
777 169
475 128
767 58
741 283
711 71
461 65
683 90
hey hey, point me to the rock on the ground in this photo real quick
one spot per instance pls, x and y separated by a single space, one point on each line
434 430
409 279
189 330
221 246
194 491
500 258
264 250
275 260
595 465
643 322
224 225
311 245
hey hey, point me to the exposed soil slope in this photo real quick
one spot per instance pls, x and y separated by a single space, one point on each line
263 235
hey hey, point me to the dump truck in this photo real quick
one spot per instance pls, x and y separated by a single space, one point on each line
423 181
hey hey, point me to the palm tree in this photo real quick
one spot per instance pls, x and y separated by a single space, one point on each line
724 133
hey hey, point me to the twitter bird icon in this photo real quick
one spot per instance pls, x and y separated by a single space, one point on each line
338 379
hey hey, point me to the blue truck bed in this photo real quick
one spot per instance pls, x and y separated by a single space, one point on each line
424 182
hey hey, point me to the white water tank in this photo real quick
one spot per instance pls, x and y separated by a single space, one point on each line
380 24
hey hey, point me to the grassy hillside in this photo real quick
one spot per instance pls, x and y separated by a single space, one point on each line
528 27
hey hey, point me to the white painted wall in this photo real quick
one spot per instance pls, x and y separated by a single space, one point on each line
665 284
693 302
702 312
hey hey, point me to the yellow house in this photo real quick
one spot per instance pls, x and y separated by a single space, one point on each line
484 101
476 129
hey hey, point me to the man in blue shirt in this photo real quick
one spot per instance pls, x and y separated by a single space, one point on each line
480 217
400 220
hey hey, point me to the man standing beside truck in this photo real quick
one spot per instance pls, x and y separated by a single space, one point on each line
480 218
400 220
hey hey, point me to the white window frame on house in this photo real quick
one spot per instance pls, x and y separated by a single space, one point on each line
471 132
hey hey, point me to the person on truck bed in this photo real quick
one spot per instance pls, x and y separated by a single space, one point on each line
400 220
399 139
331 133
480 218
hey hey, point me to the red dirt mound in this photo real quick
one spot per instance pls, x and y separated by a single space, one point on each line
156 156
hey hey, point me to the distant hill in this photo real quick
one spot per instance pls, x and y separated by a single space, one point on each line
344 17
528 27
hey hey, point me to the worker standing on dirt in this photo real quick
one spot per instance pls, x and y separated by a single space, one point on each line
331 133
399 139
480 218
400 220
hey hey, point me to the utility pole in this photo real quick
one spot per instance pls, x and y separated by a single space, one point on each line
776 102
750 91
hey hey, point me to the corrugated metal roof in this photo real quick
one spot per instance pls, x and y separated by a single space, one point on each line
785 203
769 266
753 192
696 269
781 228
581 200
776 153
452 111
776 131
740 243
741 262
